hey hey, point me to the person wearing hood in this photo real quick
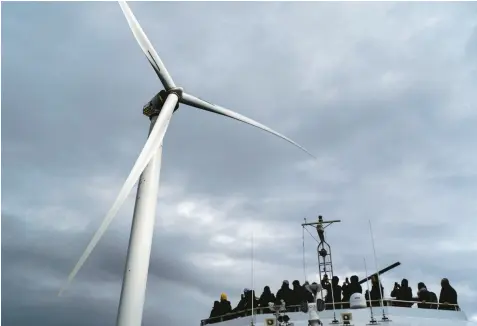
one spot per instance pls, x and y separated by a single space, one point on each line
334 295
284 293
346 294
402 293
241 306
296 296
251 302
266 297
425 297
448 296
375 295
224 305
354 286
215 313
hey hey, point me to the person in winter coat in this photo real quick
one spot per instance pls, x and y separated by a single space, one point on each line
375 295
402 293
266 297
346 294
215 313
251 303
425 297
243 301
296 294
285 293
224 305
354 286
448 296
334 295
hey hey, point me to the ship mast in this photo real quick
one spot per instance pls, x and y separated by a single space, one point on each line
325 261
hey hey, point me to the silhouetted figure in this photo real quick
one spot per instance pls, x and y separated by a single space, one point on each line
354 286
243 301
402 293
215 312
266 297
296 294
448 296
375 295
426 297
325 282
250 298
335 294
224 306
284 294
346 294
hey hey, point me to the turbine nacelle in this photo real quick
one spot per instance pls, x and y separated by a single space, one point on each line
154 106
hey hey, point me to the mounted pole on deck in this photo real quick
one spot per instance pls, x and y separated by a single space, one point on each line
325 262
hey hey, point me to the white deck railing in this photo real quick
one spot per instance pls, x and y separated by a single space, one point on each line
389 302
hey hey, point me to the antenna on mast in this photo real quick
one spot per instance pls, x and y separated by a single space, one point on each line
372 321
325 262
252 293
304 260
384 319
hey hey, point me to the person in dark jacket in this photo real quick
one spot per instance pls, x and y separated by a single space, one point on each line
266 297
346 294
354 286
224 305
296 296
334 295
284 293
426 297
251 302
243 301
375 295
325 282
402 293
448 296
215 313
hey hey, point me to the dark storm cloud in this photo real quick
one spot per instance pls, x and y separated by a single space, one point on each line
383 94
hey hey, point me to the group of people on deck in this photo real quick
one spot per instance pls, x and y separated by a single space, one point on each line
425 298
298 294
403 294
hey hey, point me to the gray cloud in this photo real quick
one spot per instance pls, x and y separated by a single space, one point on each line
383 93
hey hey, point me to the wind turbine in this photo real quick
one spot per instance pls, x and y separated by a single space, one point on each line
147 170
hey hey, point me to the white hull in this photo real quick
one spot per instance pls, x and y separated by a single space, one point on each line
398 316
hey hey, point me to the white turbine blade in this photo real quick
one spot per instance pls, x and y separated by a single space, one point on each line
150 148
203 105
147 47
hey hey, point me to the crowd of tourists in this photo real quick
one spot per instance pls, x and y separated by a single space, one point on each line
338 296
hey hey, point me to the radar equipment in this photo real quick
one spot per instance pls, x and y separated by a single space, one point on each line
357 301
325 262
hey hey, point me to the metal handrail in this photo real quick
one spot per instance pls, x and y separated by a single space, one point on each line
296 308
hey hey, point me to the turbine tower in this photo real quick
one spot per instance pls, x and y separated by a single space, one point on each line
147 170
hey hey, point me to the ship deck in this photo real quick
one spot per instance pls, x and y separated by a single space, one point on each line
398 316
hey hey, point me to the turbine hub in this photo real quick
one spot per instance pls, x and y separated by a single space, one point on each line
154 106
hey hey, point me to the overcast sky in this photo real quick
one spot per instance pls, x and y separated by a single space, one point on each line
382 93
